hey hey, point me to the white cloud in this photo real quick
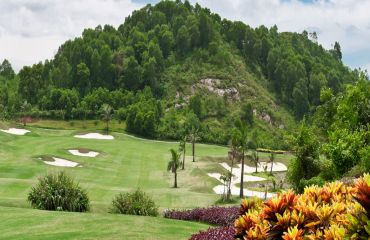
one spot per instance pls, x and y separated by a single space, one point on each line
32 30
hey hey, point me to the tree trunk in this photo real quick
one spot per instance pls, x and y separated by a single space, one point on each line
242 178
193 143
183 157
272 163
256 167
175 184
107 126
231 177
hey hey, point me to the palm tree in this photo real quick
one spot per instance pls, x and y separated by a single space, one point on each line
255 158
183 150
243 147
107 115
193 136
174 164
272 159
226 179
234 147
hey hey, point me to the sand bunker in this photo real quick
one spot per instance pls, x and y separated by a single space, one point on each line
219 189
83 154
16 131
59 162
95 136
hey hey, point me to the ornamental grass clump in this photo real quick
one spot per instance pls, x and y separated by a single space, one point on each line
134 203
58 192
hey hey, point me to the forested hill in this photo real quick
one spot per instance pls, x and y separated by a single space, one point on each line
173 62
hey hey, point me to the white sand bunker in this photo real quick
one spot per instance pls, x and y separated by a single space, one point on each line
16 131
83 153
219 189
95 136
59 162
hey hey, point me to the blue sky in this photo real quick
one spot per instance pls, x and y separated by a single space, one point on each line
38 27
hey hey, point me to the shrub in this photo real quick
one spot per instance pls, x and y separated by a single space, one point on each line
134 203
334 211
58 192
221 216
224 233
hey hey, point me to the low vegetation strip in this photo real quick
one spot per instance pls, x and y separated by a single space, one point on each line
220 216
224 233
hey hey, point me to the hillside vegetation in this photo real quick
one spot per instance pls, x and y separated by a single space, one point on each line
171 63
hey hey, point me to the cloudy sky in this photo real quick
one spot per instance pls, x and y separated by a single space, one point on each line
32 30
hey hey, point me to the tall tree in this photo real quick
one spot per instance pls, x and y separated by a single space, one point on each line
83 82
107 115
192 129
242 132
183 150
306 150
205 29
337 51
234 149
255 159
174 164
272 159
6 70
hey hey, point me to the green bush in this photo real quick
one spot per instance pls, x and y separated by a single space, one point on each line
134 203
58 192
318 181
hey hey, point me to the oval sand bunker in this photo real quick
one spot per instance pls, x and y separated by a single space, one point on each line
83 154
95 136
16 131
59 162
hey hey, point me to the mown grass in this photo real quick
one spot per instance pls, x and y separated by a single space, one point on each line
17 223
126 163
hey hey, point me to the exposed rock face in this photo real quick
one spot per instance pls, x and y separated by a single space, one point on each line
212 85
263 116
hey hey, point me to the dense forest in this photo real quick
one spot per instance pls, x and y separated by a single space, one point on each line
173 66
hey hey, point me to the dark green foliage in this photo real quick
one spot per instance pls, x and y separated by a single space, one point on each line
197 106
6 70
305 164
170 47
247 113
143 117
58 192
60 99
344 119
134 203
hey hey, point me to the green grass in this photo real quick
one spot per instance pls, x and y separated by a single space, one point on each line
126 163
19 223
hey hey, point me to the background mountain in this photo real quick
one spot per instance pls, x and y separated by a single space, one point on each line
173 64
